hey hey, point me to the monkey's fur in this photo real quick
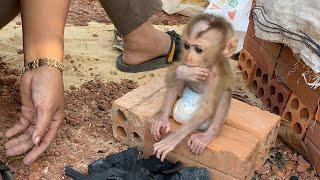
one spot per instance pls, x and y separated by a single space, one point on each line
215 91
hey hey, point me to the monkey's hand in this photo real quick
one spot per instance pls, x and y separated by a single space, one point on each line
160 121
162 148
192 74
199 141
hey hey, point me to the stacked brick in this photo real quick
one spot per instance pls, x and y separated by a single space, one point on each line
241 148
276 78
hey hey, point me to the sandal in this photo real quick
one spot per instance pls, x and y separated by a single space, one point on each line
156 63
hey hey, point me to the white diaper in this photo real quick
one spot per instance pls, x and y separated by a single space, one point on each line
185 108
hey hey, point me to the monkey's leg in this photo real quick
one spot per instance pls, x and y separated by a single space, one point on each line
199 141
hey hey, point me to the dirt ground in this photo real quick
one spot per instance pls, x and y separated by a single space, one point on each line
92 83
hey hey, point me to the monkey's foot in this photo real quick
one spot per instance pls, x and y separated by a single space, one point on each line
199 141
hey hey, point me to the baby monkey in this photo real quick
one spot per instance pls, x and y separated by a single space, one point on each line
201 101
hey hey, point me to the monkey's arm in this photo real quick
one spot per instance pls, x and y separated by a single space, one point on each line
222 110
162 118
171 96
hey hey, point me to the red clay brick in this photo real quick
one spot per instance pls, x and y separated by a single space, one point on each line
290 70
298 114
247 65
269 55
137 118
233 152
262 124
314 154
277 96
313 133
291 138
126 124
139 95
215 174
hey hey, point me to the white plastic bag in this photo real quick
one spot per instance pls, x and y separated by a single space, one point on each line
184 8
236 11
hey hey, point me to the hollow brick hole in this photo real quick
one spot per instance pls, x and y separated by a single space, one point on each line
287 116
297 128
120 117
248 63
242 56
254 85
121 132
261 92
258 72
137 138
304 114
294 104
280 98
245 75
265 79
268 103
276 110
272 90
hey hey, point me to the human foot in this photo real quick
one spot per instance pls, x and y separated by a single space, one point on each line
199 141
145 43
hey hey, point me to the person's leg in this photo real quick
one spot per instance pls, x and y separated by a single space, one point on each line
142 41
43 28
9 9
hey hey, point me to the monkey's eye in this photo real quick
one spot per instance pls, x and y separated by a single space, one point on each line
198 50
186 46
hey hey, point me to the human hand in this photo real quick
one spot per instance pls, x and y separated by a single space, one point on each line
160 121
192 74
42 112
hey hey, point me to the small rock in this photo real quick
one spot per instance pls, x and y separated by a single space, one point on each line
7 80
264 169
101 108
113 73
95 35
35 166
289 166
67 57
278 172
21 171
303 165
20 51
35 176
56 153
18 23
72 87
90 69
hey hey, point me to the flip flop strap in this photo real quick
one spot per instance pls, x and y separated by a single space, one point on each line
174 50
171 51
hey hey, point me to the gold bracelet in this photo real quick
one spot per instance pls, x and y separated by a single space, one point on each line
42 62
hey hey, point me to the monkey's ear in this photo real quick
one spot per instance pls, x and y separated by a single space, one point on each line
230 47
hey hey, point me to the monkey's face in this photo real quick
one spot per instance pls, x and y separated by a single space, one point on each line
201 51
